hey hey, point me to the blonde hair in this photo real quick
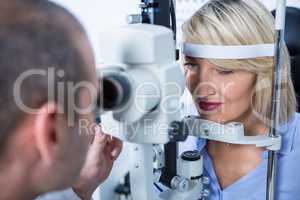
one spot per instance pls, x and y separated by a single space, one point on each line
244 22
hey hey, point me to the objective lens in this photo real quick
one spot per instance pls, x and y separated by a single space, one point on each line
115 92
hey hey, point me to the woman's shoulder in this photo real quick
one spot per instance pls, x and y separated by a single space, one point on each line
293 121
296 120
294 129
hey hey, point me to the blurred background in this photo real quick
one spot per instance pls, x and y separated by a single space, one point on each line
100 15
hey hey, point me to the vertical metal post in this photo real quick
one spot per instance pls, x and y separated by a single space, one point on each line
141 171
278 61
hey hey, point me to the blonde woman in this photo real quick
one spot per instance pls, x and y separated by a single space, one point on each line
240 89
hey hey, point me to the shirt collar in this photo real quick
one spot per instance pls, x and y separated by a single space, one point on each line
201 143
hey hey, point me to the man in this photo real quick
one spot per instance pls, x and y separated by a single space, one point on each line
47 87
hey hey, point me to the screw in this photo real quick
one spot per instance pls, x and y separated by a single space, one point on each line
205 193
183 186
205 180
206 132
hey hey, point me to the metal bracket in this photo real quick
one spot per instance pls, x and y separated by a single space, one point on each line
232 133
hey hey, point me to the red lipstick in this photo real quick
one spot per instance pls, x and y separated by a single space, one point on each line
209 106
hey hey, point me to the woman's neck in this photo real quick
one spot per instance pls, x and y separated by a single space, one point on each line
233 161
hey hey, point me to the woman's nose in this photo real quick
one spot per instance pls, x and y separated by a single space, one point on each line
206 86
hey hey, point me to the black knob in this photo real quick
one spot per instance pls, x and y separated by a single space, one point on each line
178 131
191 155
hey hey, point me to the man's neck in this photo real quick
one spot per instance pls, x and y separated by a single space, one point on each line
15 184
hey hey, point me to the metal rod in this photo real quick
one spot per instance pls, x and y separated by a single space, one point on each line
278 62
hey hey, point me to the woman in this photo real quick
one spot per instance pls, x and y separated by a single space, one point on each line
226 90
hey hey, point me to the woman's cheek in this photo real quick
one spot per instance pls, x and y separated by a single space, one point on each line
191 81
229 90
237 98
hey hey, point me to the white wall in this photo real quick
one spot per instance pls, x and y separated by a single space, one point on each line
100 15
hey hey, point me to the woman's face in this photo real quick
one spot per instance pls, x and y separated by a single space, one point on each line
220 95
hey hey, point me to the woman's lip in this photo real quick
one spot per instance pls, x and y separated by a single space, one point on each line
209 106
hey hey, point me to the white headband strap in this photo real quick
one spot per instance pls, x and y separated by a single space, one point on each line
228 52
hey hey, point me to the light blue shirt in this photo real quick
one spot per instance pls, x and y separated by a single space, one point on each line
253 185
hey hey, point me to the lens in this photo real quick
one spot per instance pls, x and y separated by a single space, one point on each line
115 92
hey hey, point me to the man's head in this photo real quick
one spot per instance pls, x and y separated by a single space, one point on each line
47 65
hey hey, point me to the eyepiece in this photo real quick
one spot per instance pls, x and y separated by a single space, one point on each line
115 92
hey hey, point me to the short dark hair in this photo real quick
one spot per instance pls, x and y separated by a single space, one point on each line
35 34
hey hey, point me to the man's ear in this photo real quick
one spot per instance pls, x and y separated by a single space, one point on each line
45 131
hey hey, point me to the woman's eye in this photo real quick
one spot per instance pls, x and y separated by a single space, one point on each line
224 71
190 65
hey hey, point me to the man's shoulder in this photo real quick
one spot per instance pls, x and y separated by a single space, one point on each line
67 194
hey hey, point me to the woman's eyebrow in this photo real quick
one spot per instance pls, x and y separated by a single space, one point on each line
191 59
218 67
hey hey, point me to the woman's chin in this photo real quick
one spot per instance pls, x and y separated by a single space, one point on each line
215 118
